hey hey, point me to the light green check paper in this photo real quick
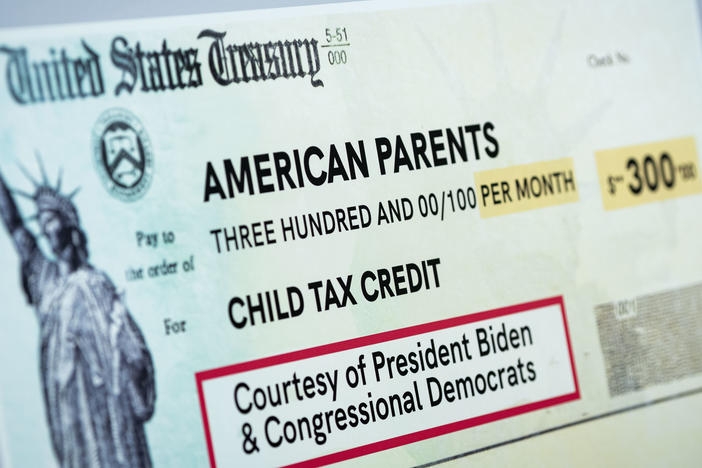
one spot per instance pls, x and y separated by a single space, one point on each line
183 197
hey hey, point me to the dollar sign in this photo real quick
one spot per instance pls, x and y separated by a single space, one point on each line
612 187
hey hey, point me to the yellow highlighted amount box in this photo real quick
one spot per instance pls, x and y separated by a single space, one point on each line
638 174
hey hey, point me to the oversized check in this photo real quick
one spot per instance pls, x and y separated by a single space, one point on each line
369 233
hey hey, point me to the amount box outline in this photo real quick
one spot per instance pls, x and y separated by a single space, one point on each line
369 340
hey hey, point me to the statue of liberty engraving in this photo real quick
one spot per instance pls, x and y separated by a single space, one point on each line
96 370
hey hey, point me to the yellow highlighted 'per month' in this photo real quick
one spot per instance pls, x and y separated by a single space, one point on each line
525 187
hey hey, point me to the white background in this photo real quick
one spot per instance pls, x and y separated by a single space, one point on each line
36 12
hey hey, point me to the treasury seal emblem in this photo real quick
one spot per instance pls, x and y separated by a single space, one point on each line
122 154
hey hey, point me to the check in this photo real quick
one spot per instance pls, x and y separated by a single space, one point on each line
368 233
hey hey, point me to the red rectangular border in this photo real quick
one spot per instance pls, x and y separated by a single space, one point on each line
200 377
